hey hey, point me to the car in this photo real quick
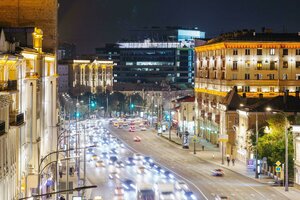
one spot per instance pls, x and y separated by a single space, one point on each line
218 172
188 195
136 139
119 164
168 175
120 127
181 185
113 159
114 175
158 169
90 150
141 170
100 163
138 156
148 159
130 161
104 155
167 195
131 129
143 128
113 151
119 191
221 197
95 157
128 185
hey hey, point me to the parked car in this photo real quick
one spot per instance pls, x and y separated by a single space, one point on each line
137 139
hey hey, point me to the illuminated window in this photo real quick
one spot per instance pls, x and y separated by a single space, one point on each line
258 89
235 52
247 52
259 65
285 52
234 65
246 88
297 77
259 52
272 89
285 64
272 52
247 62
297 52
284 77
247 76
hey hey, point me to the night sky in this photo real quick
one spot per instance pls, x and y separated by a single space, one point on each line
92 23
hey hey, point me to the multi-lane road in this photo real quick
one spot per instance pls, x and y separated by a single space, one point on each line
195 171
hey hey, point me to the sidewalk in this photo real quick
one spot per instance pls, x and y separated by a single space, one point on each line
213 155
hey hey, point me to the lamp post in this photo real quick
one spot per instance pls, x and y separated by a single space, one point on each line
286 166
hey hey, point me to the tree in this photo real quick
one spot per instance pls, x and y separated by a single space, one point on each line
272 145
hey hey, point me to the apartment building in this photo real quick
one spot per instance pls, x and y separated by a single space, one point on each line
28 114
258 64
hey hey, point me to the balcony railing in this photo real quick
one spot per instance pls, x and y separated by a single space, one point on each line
9 85
2 127
16 119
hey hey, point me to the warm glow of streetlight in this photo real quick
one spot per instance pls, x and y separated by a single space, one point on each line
268 109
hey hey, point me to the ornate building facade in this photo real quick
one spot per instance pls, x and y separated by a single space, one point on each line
258 64
90 76
28 114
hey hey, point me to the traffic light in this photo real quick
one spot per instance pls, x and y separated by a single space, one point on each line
93 104
77 114
132 106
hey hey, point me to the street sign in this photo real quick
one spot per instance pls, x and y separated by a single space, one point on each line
278 163
278 169
223 138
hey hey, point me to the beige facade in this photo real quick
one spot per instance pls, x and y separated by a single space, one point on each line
29 114
253 63
90 76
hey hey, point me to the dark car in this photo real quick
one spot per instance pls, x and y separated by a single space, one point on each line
130 161
113 159
128 185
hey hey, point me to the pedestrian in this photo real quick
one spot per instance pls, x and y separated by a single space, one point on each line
233 160
213 156
228 160
202 147
60 174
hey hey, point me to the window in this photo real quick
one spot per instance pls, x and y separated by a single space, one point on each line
298 88
297 64
234 76
258 89
285 64
272 89
247 63
223 76
258 76
234 65
223 64
285 52
259 65
247 76
272 52
247 52
284 77
235 52
297 77
272 65
271 76
259 52
246 88
297 52
215 75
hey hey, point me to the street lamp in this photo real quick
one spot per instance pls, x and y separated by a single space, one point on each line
286 124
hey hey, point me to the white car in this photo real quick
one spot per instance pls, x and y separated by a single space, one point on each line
181 185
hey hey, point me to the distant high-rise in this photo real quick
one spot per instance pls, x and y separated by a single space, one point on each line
32 13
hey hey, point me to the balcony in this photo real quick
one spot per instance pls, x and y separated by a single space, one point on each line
16 119
2 127
10 85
